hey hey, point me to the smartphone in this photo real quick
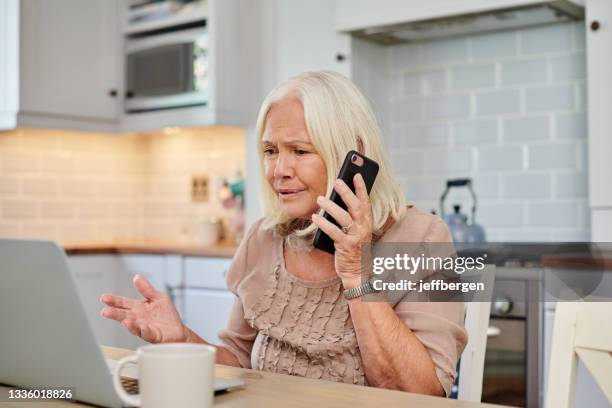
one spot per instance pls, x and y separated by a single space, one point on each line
353 163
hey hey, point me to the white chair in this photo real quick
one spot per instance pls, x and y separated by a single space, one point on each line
582 331
471 365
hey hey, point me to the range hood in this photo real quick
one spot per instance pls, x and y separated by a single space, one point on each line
482 21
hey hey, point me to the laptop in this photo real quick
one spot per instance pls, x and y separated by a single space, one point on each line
46 340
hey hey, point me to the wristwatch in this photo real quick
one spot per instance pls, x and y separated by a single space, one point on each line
358 291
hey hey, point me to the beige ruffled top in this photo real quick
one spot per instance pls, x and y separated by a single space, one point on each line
283 324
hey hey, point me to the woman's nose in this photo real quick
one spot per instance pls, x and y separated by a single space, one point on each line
284 166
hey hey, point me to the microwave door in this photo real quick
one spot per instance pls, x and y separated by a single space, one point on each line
161 71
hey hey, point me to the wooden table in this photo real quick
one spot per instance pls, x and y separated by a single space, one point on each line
276 390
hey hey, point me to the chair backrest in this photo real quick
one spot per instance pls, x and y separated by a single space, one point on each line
471 365
582 331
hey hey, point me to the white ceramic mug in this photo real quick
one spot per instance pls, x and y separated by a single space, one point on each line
170 375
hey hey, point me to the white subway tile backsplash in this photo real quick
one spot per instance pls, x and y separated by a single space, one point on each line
9 229
405 56
61 209
407 162
581 95
77 187
561 155
445 51
553 214
9 185
435 134
406 110
58 163
498 102
19 162
435 107
473 76
500 158
527 185
567 67
475 131
506 109
433 81
526 235
571 125
555 97
448 161
411 83
546 39
525 129
493 45
500 215
579 31
486 186
40 187
19 209
571 184
523 71
424 188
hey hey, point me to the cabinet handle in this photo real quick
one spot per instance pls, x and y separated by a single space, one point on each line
129 94
595 25
340 57
113 93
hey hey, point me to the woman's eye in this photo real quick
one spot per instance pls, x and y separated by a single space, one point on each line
268 151
300 152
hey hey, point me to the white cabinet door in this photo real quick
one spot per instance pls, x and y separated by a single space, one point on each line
207 311
307 40
9 62
152 267
69 58
207 301
95 275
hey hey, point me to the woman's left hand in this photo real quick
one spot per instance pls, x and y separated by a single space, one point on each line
356 228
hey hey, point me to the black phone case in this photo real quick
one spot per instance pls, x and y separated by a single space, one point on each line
368 171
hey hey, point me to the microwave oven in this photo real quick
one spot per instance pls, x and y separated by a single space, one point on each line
167 71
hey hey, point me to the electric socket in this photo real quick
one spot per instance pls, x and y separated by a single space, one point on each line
199 189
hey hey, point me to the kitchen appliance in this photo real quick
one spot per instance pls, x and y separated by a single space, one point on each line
412 20
461 230
167 70
512 368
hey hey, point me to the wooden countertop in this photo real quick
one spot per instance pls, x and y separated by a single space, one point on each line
222 249
277 390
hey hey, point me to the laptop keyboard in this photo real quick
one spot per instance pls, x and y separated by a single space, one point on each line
130 385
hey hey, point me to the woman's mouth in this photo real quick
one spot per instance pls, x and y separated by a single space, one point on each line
287 194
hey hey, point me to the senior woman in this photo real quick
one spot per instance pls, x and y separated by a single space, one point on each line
291 314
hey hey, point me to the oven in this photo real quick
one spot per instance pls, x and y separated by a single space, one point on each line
512 369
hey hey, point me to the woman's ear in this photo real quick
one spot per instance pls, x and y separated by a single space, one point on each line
360 148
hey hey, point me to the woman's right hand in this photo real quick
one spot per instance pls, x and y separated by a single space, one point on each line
154 318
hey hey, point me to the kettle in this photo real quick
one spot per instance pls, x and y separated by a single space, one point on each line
461 230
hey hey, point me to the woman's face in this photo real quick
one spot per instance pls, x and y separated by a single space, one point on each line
293 168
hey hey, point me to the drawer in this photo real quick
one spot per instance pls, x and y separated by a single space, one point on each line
206 272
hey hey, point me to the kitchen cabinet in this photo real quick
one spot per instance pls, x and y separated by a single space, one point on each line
233 58
306 39
207 311
599 100
196 285
208 302
60 64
